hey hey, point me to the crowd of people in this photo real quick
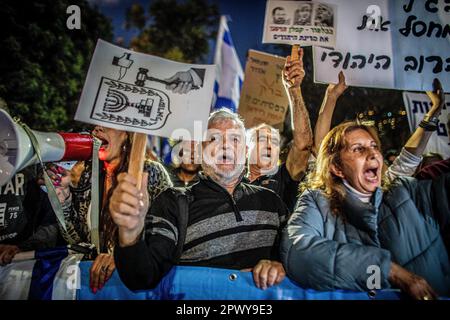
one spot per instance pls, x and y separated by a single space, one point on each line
229 202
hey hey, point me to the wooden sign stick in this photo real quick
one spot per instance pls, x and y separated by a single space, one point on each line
137 157
294 52
294 55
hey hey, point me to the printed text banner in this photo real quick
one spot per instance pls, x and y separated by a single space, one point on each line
417 105
388 44
136 92
300 22
263 98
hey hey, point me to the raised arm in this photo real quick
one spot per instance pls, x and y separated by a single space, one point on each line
411 155
418 141
323 125
147 237
297 160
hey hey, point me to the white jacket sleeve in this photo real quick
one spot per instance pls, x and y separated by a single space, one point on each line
404 165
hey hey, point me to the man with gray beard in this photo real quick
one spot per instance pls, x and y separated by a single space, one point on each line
218 222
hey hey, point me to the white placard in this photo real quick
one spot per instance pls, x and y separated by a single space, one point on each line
388 44
131 91
300 22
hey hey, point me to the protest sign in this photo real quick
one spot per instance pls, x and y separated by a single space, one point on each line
299 22
263 98
388 44
417 105
136 92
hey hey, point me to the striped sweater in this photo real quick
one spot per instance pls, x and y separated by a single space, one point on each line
223 230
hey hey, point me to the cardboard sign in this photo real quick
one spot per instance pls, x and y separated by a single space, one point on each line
300 22
263 97
136 92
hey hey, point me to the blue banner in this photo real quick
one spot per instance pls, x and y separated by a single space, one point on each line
199 283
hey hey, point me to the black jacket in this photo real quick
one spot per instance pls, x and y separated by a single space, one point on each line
221 231
26 216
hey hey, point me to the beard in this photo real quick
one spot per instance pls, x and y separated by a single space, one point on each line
223 177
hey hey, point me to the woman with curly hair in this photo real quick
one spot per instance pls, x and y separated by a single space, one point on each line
349 222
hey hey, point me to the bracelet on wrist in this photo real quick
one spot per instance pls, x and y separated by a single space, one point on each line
428 126
431 119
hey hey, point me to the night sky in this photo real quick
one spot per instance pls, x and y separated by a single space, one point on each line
246 24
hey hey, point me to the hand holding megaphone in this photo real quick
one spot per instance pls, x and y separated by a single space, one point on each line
61 179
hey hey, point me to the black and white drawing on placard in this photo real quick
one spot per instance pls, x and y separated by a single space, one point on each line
124 63
124 103
181 82
132 91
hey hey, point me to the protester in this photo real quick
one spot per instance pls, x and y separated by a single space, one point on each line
406 163
76 199
264 143
390 156
428 159
432 172
344 224
186 164
218 222
27 221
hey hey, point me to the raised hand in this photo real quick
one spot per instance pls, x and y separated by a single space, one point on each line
437 98
60 178
293 71
336 90
128 207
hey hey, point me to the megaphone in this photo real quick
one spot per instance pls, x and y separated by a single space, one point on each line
17 151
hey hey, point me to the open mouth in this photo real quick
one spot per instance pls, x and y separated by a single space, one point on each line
105 143
371 174
225 159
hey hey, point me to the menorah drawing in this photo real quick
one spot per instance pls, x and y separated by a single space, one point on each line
117 101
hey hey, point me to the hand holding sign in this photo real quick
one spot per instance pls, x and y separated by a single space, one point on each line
128 207
293 71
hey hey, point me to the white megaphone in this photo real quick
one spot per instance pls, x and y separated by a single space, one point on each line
17 151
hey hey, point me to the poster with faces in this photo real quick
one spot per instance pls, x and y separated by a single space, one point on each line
300 22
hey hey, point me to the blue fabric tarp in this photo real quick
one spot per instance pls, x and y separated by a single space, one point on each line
199 283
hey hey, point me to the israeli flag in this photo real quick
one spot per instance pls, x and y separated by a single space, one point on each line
51 274
229 76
